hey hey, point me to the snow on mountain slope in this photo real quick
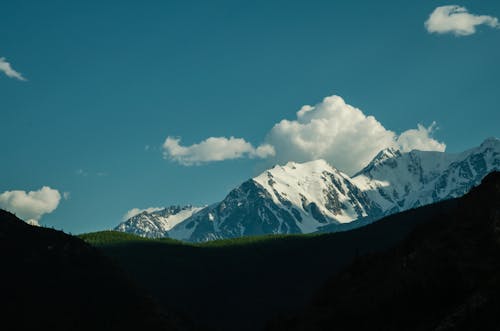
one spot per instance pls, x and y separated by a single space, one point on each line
312 196
156 224
315 187
294 198
409 180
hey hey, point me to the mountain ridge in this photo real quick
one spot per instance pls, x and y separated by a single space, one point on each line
221 283
314 196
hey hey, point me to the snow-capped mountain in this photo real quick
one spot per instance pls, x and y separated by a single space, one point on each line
294 198
156 224
398 181
313 196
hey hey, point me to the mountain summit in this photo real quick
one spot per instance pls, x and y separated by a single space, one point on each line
315 196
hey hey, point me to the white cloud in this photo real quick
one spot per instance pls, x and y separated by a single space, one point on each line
136 211
332 130
213 149
30 206
341 134
420 139
7 69
457 20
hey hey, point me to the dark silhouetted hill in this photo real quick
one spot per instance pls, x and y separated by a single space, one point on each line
444 276
240 284
53 281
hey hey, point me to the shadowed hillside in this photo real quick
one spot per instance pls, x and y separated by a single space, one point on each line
242 283
444 276
53 281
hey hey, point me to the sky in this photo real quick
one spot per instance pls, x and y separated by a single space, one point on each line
108 106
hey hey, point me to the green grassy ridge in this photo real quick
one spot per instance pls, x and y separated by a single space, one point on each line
221 283
110 238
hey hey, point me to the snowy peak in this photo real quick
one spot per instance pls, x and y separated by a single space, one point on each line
385 154
157 223
312 189
313 196
293 198
417 178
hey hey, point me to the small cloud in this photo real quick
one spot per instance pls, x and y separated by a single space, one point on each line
457 20
81 172
84 173
136 211
213 149
66 195
420 139
30 206
147 147
7 69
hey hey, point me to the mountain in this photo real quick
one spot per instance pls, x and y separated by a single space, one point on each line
157 223
254 279
54 281
398 181
219 284
444 276
295 198
316 197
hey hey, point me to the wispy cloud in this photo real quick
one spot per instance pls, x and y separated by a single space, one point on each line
7 69
457 20
136 211
30 206
213 149
85 173
81 172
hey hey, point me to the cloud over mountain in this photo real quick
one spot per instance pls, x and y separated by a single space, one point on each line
30 206
136 211
457 20
332 130
343 135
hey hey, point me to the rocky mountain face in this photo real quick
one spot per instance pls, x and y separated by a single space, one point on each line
314 196
157 223
295 198
398 181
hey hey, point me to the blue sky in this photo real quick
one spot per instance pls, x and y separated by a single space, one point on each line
106 84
